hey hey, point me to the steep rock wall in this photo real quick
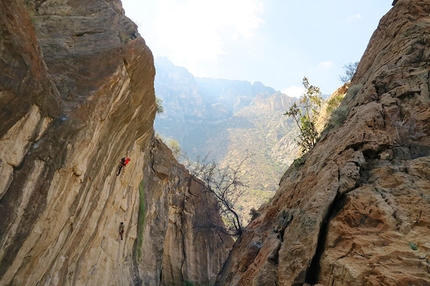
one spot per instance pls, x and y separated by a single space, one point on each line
71 114
76 95
355 209
176 247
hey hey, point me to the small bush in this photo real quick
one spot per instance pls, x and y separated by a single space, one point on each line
159 104
406 130
338 116
254 214
297 162
174 146
413 246
352 92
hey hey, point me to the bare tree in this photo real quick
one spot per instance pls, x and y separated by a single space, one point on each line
226 186
349 72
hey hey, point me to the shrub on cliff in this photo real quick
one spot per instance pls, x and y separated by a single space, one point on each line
174 146
338 113
159 105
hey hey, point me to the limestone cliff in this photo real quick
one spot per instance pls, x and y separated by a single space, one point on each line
76 95
175 247
355 210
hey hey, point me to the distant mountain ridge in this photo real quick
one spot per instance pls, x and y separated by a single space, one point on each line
228 119
189 97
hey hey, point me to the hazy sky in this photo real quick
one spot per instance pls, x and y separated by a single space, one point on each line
276 42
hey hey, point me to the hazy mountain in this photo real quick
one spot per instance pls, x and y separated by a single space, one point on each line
228 119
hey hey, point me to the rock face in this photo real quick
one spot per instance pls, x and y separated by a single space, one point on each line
355 210
175 247
69 105
76 95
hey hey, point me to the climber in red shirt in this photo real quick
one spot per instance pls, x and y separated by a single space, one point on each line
122 164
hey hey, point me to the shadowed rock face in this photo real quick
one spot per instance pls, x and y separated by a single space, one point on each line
77 95
176 246
356 210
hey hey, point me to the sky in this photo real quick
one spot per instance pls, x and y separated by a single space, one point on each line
276 42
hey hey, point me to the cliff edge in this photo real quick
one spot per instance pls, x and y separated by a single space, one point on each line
355 209
77 95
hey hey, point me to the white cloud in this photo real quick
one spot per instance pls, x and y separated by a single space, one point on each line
294 91
353 18
325 65
195 31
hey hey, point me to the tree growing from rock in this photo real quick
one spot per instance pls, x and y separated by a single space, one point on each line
174 146
305 114
226 186
159 105
349 72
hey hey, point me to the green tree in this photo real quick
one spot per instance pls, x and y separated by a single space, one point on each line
159 105
305 115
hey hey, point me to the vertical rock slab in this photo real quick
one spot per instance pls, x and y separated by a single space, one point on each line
175 249
76 93
355 209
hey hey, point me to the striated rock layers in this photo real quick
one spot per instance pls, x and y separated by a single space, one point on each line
356 209
76 95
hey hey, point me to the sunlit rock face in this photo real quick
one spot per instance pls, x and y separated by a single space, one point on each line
356 209
77 95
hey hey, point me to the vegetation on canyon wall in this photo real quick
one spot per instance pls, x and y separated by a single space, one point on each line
305 115
228 188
